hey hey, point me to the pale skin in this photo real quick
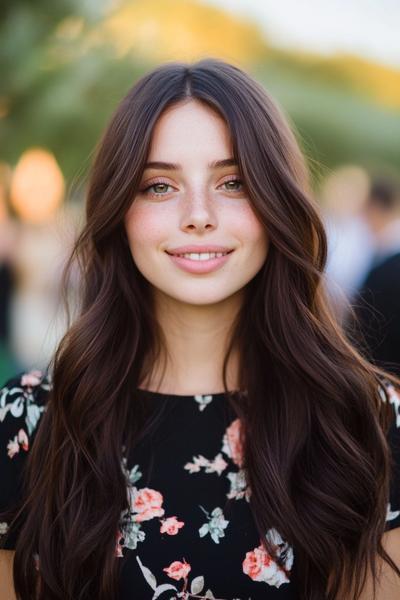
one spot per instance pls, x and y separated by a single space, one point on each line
197 205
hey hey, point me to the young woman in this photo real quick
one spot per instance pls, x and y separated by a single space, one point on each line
205 430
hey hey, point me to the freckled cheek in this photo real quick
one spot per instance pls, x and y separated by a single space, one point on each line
145 229
250 230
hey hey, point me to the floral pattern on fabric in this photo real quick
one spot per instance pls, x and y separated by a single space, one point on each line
178 570
231 444
203 401
232 448
216 465
19 441
215 525
391 514
145 504
394 400
181 574
171 525
19 403
259 565
16 399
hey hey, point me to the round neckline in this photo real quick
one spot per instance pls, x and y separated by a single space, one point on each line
164 395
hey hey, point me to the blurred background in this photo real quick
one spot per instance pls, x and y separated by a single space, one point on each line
335 70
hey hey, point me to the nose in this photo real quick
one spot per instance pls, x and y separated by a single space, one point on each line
198 214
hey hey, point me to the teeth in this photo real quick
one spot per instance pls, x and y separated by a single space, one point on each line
202 255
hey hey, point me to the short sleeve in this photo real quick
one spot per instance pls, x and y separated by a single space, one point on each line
393 509
22 403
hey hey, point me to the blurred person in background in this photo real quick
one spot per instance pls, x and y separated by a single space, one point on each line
343 195
6 287
8 362
37 320
377 304
36 243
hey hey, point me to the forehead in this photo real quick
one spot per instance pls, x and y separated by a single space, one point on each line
188 129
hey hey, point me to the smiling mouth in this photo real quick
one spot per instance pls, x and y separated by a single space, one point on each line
201 256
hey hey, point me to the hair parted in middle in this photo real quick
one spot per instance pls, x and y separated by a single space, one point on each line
315 455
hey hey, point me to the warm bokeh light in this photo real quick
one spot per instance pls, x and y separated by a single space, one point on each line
180 30
3 209
5 177
37 186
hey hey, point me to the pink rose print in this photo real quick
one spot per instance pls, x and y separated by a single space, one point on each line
23 440
178 570
232 444
118 547
20 440
259 566
171 525
147 503
31 379
254 562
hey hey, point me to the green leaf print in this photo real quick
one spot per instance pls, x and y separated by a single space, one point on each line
215 526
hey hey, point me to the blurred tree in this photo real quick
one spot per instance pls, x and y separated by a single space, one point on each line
345 109
181 30
66 64
56 90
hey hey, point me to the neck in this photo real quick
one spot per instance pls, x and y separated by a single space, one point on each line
197 338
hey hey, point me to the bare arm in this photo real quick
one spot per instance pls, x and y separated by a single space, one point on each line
6 578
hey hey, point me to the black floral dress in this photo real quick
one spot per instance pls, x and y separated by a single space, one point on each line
189 532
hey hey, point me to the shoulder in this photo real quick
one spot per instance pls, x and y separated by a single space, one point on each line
23 399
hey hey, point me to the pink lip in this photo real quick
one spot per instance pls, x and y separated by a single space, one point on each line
200 266
198 249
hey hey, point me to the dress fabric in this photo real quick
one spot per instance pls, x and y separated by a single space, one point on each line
189 532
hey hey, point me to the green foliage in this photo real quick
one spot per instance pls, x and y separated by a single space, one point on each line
60 85
57 91
335 123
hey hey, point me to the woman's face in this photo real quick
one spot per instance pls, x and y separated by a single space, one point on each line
186 200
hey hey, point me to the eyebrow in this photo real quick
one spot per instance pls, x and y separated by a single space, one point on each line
216 164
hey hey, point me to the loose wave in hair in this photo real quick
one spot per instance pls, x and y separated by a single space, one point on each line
315 451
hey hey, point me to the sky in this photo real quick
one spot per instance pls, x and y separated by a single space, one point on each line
367 28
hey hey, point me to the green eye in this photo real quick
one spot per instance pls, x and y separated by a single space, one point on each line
233 185
163 187
155 189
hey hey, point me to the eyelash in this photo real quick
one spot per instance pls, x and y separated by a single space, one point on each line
146 189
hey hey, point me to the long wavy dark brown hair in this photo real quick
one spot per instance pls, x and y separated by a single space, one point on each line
315 449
